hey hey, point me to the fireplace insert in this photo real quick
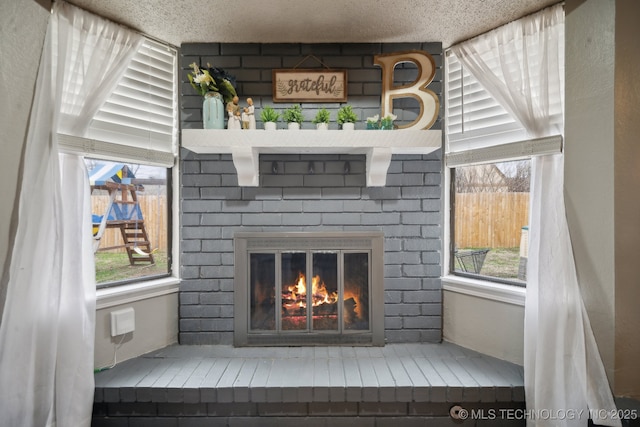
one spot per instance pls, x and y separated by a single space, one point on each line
309 288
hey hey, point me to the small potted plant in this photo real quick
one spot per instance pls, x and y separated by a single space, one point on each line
373 122
269 117
321 119
386 123
293 116
347 117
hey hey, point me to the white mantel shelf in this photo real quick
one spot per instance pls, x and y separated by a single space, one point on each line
245 146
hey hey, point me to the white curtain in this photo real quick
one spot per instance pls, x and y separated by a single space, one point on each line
521 65
48 323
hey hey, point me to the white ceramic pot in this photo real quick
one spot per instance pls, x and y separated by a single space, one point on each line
348 126
293 126
269 125
322 126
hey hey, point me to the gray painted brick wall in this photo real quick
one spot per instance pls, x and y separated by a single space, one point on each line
252 64
408 210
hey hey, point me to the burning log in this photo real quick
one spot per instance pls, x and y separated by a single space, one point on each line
327 309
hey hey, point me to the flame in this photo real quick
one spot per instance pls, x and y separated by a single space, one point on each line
320 293
299 290
357 308
295 295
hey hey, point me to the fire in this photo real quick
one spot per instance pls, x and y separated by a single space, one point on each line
320 293
324 306
296 294
356 309
294 297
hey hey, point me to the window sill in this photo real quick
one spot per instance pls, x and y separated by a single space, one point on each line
125 294
485 289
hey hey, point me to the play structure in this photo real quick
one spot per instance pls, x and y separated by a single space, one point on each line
122 212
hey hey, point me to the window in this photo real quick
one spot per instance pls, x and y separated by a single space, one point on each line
489 199
130 153
130 213
491 213
488 156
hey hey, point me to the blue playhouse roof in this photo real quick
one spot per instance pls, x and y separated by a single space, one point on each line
113 172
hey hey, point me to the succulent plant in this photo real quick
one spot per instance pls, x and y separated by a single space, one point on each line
323 116
268 114
346 115
293 114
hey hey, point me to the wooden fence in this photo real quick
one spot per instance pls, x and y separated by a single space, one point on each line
482 220
154 212
490 220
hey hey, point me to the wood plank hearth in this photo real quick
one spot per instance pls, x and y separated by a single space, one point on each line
224 385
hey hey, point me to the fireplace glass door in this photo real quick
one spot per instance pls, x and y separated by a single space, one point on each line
293 294
323 292
262 273
308 288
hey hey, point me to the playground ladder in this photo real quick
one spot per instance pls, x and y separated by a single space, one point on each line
133 230
135 237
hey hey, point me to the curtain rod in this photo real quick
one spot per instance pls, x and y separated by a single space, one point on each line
155 39
448 50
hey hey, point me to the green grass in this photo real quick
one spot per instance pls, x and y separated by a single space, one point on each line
500 262
114 267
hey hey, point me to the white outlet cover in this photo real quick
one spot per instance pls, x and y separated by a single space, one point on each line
123 321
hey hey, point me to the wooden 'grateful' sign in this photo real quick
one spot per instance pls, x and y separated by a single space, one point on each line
296 85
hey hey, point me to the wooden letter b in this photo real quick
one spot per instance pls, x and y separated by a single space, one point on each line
428 100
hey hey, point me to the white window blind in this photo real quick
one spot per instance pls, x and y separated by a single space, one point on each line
474 119
138 122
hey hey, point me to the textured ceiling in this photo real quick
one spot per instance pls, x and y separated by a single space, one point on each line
304 21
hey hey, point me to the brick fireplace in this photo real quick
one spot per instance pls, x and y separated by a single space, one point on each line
308 193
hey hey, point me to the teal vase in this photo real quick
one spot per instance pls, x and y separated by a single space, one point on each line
386 125
212 111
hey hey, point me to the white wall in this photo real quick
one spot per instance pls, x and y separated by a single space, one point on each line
491 327
23 24
602 176
156 326
589 164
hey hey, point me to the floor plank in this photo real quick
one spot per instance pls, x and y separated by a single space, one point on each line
243 380
324 375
